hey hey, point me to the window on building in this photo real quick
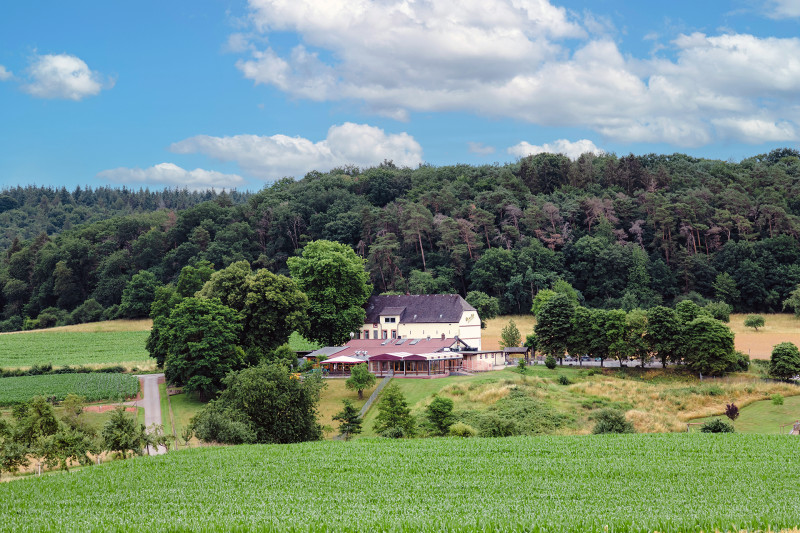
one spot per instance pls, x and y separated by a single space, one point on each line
374 333
394 333
390 319
385 334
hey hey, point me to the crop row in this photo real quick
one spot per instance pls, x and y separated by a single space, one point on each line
94 386
667 482
71 348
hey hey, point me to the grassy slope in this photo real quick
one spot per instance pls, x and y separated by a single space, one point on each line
592 483
655 401
764 418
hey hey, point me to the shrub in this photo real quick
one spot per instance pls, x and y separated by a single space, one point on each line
719 310
731 411
716 426
230 426
493 425
713 390
550 362
564 380
394 432
593 372
785 361
611 421
777 399
460 429
521 367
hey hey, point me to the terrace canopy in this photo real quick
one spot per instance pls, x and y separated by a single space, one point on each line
407 364
341 364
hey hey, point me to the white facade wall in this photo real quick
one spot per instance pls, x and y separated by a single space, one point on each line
468 329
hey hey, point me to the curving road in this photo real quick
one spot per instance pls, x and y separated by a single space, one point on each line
151 401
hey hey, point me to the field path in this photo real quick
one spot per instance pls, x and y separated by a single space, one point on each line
151 401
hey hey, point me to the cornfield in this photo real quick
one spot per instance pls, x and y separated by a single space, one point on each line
94 386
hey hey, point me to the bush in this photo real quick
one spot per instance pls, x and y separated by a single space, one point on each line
230 426
777 399
611 421
460 429
593 372
493 425
88 311
521 366
550 362
716 426
394 432
564 380
111 312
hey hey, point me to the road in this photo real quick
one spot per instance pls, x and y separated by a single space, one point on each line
151 401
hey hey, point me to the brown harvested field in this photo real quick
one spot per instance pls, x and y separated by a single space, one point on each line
778 328
143 324
490 337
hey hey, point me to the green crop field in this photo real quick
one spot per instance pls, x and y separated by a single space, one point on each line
94 387
673 482
63 348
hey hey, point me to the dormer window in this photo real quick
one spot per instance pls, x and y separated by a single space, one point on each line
390 319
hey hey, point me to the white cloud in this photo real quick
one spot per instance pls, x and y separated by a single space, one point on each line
518 59
63 76
5 75
573 150
280 155
480 148
777 9
169 174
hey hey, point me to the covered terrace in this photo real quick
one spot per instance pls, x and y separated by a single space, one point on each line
415 365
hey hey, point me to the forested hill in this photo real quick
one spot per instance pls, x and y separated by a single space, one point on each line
26 212
627 232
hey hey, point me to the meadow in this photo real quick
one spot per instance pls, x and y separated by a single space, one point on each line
94 387
75 348
632 483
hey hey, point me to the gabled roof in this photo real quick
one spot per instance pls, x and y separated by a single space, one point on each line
418 308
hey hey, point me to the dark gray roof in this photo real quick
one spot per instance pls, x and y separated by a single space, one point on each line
327 351
417 308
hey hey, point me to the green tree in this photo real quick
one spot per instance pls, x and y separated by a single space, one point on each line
201 337
439 414
274 404
273 309
793 302
725 288
360 378
541 298
510 335
785 361
394 416
121 434
67 444
554 325
754 321
579 342
663 333
708 347
333 277
488 307
138 296
349 421
635 331
230 285
192 278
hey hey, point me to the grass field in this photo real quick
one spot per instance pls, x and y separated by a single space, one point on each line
764 418
94 387
75 348
758 344
633 483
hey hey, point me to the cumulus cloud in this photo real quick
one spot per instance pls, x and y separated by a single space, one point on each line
480 148
63 76
169 174
573 150
778 9
5 75
280 155
532 61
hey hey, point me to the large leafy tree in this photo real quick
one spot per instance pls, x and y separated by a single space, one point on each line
394 416
138 295
785 361
274 404
554 325
708 346
663 333
201 349
333 277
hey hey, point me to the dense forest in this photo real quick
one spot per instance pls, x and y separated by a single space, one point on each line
626 232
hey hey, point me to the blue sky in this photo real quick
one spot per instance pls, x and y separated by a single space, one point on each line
238 93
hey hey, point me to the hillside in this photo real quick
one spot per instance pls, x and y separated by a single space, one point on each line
625 231
631 483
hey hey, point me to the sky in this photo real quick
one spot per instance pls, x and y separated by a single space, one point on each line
239 93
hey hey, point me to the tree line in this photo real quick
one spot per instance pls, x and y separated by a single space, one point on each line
626 232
